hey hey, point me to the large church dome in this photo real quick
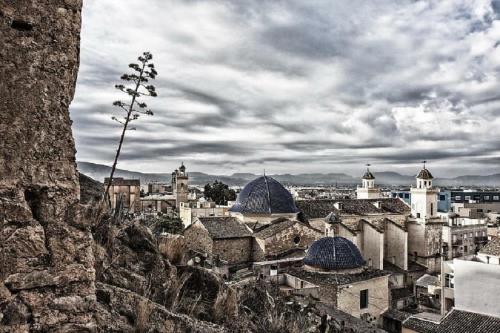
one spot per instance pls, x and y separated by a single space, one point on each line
330 253
264 195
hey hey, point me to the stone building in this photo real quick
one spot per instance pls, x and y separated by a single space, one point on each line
263 200
336 267
189 211
124 191
464 235
368 189
180 188
223 238
158 203
283 238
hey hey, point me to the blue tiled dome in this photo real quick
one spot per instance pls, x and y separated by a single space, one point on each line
264 195
334 253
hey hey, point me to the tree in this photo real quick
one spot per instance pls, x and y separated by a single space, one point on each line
144 71
164 223
219 192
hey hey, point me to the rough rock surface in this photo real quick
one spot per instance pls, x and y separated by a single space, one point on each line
47 251
46 257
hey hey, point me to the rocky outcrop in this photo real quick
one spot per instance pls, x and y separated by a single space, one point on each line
46 260
47 250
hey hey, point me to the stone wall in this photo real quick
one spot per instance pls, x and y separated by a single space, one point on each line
396 245
285 239
372 246
198 239
233 250
378 297
46 260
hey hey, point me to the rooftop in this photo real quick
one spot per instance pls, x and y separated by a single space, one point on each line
492 247
224 227
321 208
427 280
277 226
331 253
456 321
264 195
424 174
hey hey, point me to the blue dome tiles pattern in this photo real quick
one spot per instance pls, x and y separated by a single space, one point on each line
332 253
264 195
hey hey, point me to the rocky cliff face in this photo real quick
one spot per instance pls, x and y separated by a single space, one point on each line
48 280
46 261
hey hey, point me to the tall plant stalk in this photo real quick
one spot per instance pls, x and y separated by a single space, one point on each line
145 71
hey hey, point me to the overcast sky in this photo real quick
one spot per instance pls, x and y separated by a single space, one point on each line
296 86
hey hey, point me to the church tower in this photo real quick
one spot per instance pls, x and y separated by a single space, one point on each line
424 197
368 189
425 226
180 185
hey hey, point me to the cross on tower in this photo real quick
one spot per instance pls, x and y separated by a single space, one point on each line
424 161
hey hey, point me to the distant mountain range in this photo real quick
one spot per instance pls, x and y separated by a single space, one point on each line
99 171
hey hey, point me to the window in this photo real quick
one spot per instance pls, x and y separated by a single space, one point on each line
407 195
467 197
486 197
432 209
363 299
495 197
296 240
442 197
458 198
418 215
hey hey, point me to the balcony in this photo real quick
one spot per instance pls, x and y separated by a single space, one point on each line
457 242
481 239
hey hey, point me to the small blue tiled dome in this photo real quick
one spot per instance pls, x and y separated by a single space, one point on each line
264 195
334 253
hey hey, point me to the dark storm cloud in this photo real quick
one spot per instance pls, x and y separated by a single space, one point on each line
294 85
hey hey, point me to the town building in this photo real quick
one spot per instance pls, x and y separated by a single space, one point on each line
190 210
221 238
464 233
155 203
368 189
335 273
124 193
156 187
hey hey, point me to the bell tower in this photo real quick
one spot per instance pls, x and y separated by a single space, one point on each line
180 185
368 189
424 196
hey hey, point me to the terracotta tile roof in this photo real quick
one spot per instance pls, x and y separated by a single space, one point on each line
321 208
456 321
225 227
421 325
492 247
277 226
